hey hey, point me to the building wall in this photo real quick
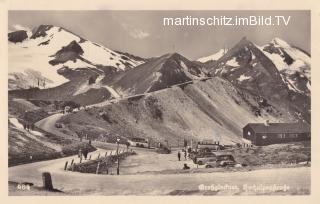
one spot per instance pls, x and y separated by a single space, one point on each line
274 138
249 134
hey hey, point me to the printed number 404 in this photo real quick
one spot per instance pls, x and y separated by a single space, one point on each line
23 187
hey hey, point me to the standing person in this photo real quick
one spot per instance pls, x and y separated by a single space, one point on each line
179 155
185 155
80 153
85 153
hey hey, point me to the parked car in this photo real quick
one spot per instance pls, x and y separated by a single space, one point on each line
138 142
209 147
163 150
192 155
222 159
202 158
58 125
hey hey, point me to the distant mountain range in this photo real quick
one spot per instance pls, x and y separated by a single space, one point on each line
264 82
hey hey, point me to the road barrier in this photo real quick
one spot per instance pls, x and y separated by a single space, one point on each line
101 164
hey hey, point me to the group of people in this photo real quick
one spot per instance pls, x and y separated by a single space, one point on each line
28 127
179 155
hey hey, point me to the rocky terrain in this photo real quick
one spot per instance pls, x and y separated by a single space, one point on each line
277 73
204 109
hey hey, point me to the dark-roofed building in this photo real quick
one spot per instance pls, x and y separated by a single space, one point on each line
272 133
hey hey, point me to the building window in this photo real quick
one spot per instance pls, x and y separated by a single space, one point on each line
293 135
249 133
281 136
264 137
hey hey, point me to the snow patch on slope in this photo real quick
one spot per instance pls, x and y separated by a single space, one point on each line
99 55
16 123
35 54
279 42
292 86
28 55
97 85
290 73
213 57
243 77
275 58
233 62
299 57
293 52
76 64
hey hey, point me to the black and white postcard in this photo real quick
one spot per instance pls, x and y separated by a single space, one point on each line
161 101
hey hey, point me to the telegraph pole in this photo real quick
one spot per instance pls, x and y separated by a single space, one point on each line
118 166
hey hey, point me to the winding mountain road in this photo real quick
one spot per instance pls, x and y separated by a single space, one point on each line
74 183
150 183
48 124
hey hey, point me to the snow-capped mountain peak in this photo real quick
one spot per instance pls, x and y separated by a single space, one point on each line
213 57
51 48
278 57
293 63
279 42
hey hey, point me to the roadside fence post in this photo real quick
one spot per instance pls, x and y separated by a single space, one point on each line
47 181
66 165
98 166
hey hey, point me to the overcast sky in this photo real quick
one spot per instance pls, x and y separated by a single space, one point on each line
142 32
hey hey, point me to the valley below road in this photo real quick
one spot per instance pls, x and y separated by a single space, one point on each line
140 176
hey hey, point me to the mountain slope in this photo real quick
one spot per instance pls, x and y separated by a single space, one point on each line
204 109
156 74
42 59
91 87
269 72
